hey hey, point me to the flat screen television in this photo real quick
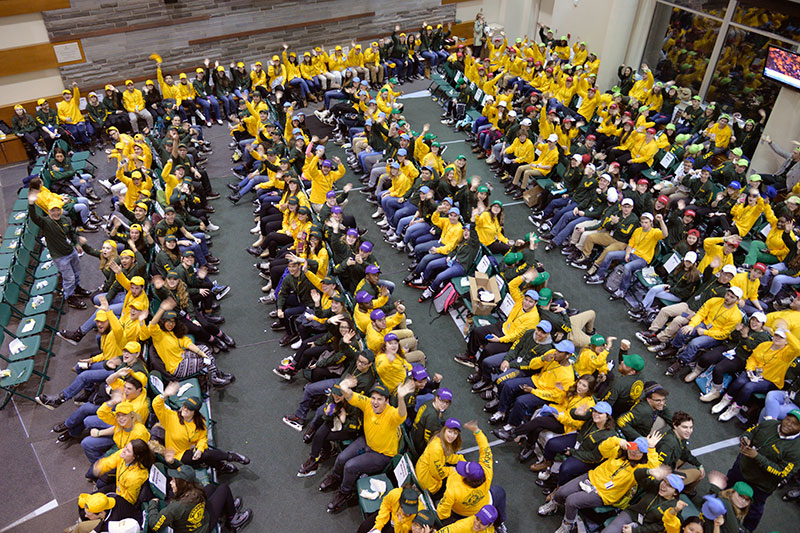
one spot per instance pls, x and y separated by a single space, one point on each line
783 66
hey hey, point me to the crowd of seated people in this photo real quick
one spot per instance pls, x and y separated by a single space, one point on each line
630 185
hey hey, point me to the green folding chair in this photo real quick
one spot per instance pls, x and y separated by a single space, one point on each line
21 372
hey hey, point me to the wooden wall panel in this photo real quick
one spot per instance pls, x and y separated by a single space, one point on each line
9 8
32 58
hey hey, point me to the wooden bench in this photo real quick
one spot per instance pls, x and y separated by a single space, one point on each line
12 150
462 32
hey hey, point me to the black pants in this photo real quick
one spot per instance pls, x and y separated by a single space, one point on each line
307 353
723 365
536 425
325 435
275 240
477 340
276 269
498 247
369 524
219 502
210 457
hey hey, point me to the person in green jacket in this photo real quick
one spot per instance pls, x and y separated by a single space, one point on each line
768 454
205 97
23 125
194 508
455 264
64 246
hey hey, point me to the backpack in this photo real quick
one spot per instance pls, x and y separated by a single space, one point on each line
614 279
445 299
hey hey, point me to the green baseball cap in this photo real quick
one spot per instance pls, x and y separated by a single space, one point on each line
424 518
192 402
795 413
409 501
483 188
392 80
545 295
743 488
184 472
633 361
737 152
380 389
597 340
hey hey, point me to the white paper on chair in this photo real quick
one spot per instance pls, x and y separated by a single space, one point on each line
184 388
16 346
369 495
377 485
157 383
158 479
28 326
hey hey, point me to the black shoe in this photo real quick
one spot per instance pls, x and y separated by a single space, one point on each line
240 519
50 402
212 196
492 406
72 337
233 186
227 339
329 483
228 468
503 434
80 291
474 377
234 198
525 454
239 458
214 319
82 397
481 386
76 303
667 353
278 326
64 437
288 339
489 394
237 504
61 427
340 501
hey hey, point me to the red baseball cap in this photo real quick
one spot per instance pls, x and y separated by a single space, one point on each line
760 266
591 137
651 131
613 105
663 199
643 181
694 232
614 164
690 212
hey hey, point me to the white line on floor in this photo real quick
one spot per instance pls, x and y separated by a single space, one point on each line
454 142
475 448
513 203
727 443
52 504
22 422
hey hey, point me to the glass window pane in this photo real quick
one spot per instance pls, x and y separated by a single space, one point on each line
775 16
737 83
679 46
716 8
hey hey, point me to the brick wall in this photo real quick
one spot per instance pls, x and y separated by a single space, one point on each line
122 52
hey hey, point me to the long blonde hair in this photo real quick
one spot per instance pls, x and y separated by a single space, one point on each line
113 256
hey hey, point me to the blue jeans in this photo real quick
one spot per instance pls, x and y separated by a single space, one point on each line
432 57
553 103
228 104
200 250
314 84
491 363
742 389
453 271
208 104
70 269
87 378
524 406
390 205
406 209
557 205
82 187
416 233
635 263
312 391
242 93
399 67
76 422
80 132
777 405
95 447
329 95
247 184
691 347
429 263
658 291
420 250
565 233
300 82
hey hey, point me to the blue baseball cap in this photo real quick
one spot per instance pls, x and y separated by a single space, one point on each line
366 246
389 336
395 164
565 346
363 297
448 199
335 210
356 79
675 481
735 185
373 269
712 507
330 194
602 407
402 151
447 395
530 293
352 232
487 515
368 122
545 326
327 163
455 210
641 444
424 189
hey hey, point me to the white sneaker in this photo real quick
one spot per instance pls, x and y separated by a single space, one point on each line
564 528
730 412
544 474
212 227
377 214
491 159
255 229
382 223
219 121
346 146
722 405
548 508
296 345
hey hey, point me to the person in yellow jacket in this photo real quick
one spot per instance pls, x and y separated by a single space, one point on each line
469 485
336 65
373 451
258 77
719 134
169 91
124 425
593 359
322 178
489 226
776 246
440 456
133 102
276 74
391 365
187 95
497 338
398 510
712 324
520 397
483 520
608 483
765 371
590 100
71 118
721 248
294 77
538 167
747 210
186 435
642 152
131 468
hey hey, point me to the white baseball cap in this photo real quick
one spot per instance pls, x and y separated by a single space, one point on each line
627 201
730 269
526 122
691 257
648 215
612 195
761 317
552 138
737 291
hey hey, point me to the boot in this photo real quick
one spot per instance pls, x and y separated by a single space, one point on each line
50 402
72 337
691 376
722 405
713 394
